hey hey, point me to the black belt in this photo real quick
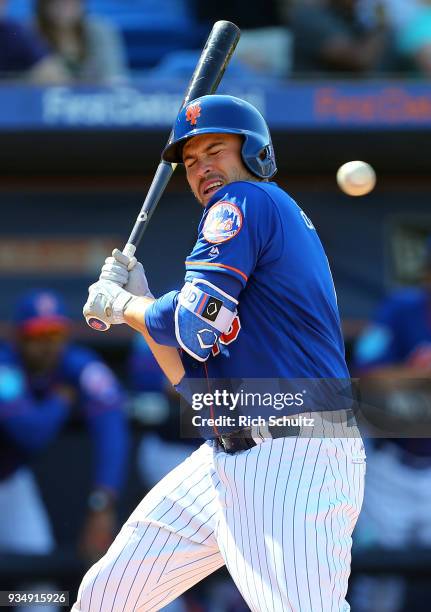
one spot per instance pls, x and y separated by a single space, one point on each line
242 439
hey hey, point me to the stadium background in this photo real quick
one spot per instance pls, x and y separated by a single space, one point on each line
75 163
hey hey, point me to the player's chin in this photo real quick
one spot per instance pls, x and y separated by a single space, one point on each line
203 199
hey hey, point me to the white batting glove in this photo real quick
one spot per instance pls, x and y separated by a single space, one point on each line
137 283
116 268
126 272
107 301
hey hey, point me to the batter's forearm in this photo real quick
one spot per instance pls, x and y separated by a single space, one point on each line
166 356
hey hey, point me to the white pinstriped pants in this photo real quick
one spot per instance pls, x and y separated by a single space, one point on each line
279 515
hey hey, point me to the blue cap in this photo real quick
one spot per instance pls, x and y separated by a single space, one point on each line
40 311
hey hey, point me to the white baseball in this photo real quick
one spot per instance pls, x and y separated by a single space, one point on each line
356 178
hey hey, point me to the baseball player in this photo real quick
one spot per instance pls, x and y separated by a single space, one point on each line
45 381
258 302
396 346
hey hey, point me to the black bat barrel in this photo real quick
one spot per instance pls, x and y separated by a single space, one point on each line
206 77
213 61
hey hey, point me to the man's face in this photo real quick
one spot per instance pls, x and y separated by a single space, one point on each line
211 161
42 352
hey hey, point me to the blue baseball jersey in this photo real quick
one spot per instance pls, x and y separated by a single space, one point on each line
400 333
32 413
258 246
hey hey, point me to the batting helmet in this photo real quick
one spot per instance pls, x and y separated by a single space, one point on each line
225 115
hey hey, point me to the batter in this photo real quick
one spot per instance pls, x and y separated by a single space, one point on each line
258 302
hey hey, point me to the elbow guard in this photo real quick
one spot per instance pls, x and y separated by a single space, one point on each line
203 313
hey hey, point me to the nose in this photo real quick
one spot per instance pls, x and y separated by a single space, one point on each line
203 167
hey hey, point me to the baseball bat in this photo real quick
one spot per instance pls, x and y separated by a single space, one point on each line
205 79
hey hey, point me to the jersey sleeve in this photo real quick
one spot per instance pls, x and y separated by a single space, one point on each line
235 231
380 343
239 230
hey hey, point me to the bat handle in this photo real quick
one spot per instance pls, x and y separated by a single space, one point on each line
129 250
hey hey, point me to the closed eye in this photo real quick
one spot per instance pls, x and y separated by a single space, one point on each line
189 162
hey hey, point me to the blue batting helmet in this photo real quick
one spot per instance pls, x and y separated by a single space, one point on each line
225 115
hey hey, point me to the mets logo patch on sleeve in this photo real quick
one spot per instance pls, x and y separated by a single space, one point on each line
223 222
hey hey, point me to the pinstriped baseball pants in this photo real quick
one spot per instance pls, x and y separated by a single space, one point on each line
280 516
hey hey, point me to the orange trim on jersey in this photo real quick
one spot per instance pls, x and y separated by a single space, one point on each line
217 265
202 304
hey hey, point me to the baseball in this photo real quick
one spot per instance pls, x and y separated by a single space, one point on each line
356 178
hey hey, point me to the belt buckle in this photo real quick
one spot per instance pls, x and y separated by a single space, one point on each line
222 443
260 433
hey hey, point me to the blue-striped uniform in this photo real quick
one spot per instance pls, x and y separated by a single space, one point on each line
280 514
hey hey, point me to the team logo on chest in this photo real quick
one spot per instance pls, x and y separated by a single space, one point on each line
223 222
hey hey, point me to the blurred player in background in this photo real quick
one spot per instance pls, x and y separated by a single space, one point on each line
411 22
89 49
45 380
396 347
331 36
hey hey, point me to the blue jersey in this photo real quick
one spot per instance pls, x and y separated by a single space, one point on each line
400 333
256 244
32 413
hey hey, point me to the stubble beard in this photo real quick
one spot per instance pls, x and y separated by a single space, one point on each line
238 174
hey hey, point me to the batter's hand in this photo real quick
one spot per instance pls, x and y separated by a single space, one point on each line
127 272
107 301
117 267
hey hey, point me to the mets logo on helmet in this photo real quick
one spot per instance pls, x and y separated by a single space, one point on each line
192 113
223 222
